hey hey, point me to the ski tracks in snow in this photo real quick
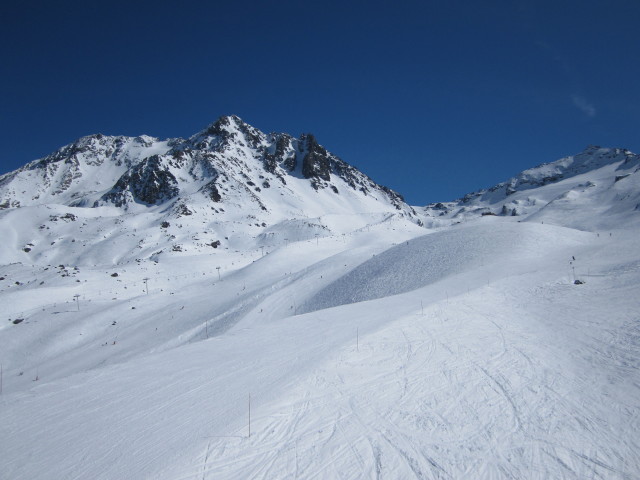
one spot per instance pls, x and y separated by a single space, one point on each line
455 393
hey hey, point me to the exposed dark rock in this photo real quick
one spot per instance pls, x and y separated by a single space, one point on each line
68 217
620 177
316 163
182 210
211 190
148 182
290 163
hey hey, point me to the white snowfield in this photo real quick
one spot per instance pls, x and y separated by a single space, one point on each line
375 350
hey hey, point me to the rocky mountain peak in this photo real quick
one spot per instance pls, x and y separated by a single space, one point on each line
229 168
223 132
226 124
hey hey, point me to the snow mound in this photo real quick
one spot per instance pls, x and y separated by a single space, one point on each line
434 257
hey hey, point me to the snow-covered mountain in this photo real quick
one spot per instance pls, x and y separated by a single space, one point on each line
227 163
167 315
225 178
605 182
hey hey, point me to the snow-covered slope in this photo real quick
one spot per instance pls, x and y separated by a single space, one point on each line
604 181
328 343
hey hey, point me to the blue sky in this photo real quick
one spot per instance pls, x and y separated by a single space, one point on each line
431 98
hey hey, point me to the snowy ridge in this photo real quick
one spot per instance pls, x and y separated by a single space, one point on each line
77 172
604 180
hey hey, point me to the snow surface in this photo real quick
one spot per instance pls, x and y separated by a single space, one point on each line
366 346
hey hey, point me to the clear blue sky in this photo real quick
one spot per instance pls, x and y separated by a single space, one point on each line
431 98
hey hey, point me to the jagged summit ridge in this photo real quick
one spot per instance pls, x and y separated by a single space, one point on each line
226 160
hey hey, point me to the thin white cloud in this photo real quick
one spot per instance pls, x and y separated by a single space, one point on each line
587 108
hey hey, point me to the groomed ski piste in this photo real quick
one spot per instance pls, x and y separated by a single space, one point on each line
467 352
